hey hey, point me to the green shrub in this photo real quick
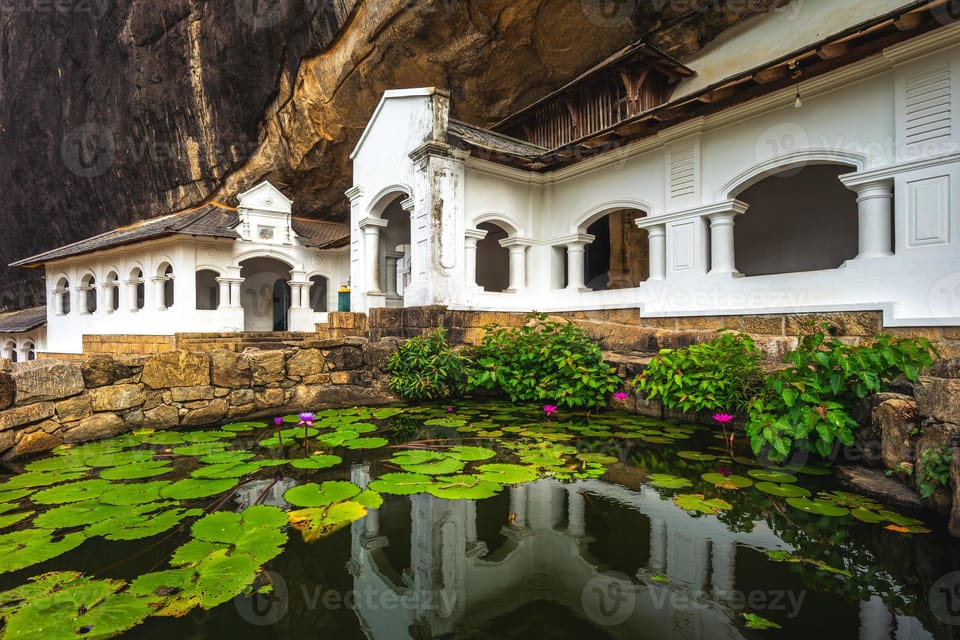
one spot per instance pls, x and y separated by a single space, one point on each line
722 375
807 404
934 470
427 368
543 361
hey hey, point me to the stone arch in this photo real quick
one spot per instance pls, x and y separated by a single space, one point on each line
501 220
137 288
111 289
799 219
206 288
28 350
87 293
319 294
493 259
266 297
618 257
785 163
385 197
62 295
599 211
10 350
164 275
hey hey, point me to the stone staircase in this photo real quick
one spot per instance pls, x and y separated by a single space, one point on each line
264 340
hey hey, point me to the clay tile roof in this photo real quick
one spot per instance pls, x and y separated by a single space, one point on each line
212 220
321 234
23 320
491 141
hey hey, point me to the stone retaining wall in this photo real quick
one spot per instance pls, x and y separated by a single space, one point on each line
45 403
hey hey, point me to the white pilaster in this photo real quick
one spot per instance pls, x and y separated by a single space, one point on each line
371 250
471 237
518 263
874 208
575 260
657 238
722 257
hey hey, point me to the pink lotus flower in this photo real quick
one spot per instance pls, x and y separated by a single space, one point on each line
549 409
306 418
278 421
620 395
724 471
722 418
449 409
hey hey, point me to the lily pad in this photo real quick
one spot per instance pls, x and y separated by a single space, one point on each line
783 490
28 547
507 473
193 488
228 470
77 514
240 427
117 458
72 492
441 467
200 448
221 577
697 456
870 517
137 525
320 495
471 454
667 481
230 456
254 531
697 502
731 481
317 522
206 436
768 475
317 462
13 518
464 487
817 507
137 470
849 500
402 484
133 493
753 621
366 443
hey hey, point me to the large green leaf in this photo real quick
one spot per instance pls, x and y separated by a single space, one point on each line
317 461
402 484
72 492
316 522
667 481
27 547
133 493
137 470
783 490
729 481
507 473
193 488
697 502
464 487
817 507
221 577
320 495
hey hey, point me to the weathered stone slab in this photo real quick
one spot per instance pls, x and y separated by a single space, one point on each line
876 484
344 358
8 390
230 369
101 425
270 398
267 367
215 411
31 443
939 398
189 394
73 409
27 414
376 354
176 369
117 397
163 416
101 370
47 380
897 421
946 368
7 440
305 362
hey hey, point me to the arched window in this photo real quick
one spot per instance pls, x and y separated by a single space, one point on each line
112 292
29 351
165 276
10 350
208 290
618 257
798 220
62 297
88 294
137 289
493 261
318 293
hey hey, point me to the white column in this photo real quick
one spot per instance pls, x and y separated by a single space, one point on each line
518 263
393 258
576 510
158 282
471 238
518 505
224 301
575 260
658 544
722 259
371 249
876 621
874 216
106 296
235 300
132 294
80 301
657 239
57 298
723 562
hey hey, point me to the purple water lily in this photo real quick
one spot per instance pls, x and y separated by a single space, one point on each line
620 395
549 409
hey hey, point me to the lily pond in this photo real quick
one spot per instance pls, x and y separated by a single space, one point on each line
477 520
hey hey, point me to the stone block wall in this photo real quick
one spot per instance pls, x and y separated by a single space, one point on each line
127 345
45 403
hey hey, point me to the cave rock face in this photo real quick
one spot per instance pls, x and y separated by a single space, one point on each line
115 111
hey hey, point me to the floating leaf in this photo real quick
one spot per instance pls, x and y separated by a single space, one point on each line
206 436
401 484
507 473
369 499
657 439
78 514
769 475
37 587
817 507
72 492
471 454
320 495
117 458
731 481
659 578
779 555
757 622
870 517
667 481
137 525
599 458
133 493
465 487
850 500
899 519
226 457
696 502
442 467
163 438
317 462
696 456
192 488
14 495
366 443
254 531
317 522
200 448
32 479
137 471
221 577
27 547
177 587
243 426
13 518
783 490
193 551
221 471
914 529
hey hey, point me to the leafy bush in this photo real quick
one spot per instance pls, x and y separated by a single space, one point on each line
427 368
543 361
807 404
721 375
934 470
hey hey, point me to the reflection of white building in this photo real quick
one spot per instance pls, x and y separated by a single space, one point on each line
211 269
22 334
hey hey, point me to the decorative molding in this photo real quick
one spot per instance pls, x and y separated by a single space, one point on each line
735 207
851 180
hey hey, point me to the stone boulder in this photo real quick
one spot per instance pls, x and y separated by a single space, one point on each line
117 397
230 369
101 425
41 380
267 367
8 390
28 414
102 369
376 354
31 443
163 416
946 368
176 369
345 358
939 398
213 412
75 408
305 362
897 421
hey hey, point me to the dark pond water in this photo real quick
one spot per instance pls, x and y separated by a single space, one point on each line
590 549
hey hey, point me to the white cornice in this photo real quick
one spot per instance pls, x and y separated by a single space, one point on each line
888 172
735 207
932 42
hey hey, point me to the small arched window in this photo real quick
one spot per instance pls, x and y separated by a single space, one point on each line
62 297
112 291
88 294
208 289
29 351
318 293
10 350
137 289
165 274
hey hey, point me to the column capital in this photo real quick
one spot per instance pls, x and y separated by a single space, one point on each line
576 238
408 203
476 234
354 193
374 224
515 241
657 230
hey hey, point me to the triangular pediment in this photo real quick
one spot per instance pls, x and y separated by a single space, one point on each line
265 197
